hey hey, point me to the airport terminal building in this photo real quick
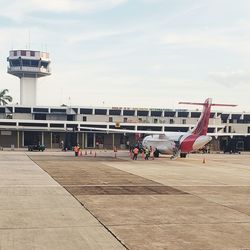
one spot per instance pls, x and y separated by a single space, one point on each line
21 126
28 124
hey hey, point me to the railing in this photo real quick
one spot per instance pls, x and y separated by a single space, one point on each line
29 69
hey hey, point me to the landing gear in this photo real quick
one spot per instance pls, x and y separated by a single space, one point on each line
175 155
183 155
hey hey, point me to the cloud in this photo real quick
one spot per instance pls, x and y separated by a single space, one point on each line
98 34
194 39
20 9
231 78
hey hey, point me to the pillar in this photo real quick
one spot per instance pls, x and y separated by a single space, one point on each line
42 138
18 146
82 141
51 145
113 140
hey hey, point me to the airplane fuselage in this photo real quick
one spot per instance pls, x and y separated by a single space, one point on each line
171 141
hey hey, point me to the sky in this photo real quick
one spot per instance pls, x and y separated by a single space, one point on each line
132 53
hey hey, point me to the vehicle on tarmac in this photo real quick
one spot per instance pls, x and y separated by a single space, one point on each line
36 147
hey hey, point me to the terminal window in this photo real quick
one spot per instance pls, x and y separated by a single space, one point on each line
195 114
22 110
114 112
100 111
58 110
142 113
246 118
156 113
41 110
86 111
169 113
212 115
129 112
183 114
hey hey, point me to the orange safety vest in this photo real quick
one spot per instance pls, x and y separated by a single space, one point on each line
136 150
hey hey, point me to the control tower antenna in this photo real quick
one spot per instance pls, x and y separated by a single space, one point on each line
28 65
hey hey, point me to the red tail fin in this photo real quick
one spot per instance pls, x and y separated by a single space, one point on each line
202 124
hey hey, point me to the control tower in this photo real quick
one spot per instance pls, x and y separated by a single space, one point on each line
28 65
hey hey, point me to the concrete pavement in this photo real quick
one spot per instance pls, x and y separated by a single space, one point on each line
163 204
160 204
37 213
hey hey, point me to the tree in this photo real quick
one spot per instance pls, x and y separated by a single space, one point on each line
4 99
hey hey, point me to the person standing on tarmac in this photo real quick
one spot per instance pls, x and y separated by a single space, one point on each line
135 151
76 150
147 153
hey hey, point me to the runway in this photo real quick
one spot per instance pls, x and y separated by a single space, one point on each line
112 202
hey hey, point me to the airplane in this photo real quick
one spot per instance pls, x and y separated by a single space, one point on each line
177 143
182 143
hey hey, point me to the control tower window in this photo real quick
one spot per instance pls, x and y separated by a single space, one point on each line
26 63
23 52
44 64
15 63
34 63
32 53
15 53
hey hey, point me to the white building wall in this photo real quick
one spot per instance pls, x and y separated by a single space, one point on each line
239 128
22 116
28 91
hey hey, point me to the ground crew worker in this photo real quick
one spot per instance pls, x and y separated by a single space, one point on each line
135 151
147 153
76 150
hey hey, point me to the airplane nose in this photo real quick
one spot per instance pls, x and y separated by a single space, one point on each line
201 141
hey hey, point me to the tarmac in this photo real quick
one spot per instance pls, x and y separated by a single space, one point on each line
53 200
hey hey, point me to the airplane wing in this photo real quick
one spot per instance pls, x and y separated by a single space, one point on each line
128 131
